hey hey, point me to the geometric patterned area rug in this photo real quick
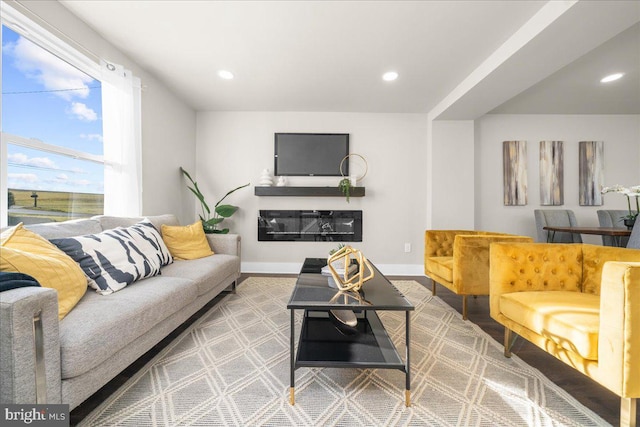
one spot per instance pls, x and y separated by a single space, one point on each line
231 367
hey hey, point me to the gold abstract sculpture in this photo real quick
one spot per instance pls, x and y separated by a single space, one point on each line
354 282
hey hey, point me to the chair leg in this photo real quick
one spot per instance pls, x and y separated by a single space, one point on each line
509 339
628 412
464 307
433 287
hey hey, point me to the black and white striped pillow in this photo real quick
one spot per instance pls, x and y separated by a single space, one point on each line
118 257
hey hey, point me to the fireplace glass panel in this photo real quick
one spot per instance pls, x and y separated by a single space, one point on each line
310 226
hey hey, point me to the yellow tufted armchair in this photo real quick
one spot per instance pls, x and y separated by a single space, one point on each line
578 302
459 260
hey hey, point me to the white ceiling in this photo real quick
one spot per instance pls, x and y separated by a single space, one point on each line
330 55
576 88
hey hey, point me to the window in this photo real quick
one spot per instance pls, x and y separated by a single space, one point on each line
52 131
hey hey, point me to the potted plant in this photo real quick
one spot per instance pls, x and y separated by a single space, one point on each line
347 183
631 192
345 186
220 212
333 251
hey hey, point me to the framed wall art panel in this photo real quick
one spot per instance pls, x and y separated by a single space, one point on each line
590 169
514 168
551 173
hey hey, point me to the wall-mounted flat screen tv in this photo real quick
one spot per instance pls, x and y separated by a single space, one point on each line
311 154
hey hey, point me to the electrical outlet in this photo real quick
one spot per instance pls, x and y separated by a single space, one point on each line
407 247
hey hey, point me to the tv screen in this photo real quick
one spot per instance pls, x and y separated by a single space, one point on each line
311 154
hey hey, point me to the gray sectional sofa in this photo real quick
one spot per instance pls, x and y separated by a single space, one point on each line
101 335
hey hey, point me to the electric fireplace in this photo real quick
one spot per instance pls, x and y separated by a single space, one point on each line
309 226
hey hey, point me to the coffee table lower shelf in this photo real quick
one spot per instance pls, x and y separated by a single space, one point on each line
322 345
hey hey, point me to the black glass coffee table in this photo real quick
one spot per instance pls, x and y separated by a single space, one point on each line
322 344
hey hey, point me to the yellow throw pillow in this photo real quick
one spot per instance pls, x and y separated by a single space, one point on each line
24 251
187 242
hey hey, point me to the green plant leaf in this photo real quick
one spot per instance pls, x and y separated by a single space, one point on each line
185 173
223 231
200 197
213 221
226 210
196 191
235 189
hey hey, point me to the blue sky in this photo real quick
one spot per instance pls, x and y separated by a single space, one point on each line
37 103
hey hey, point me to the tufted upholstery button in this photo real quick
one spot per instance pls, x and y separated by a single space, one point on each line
544 258
562 283
530 257
553 271
561 257
545 283
537 270
512 283
522 271
529 282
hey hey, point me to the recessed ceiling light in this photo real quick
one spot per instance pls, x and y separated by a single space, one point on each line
389 76
611 77
224 74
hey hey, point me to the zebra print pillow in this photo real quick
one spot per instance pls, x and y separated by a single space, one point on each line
118 257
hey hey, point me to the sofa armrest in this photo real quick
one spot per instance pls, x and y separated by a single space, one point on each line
18 364
619 332
521 267
471 261
225 243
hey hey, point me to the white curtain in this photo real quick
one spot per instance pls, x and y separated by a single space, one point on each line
122 141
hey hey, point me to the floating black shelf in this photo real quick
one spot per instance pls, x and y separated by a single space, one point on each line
307 191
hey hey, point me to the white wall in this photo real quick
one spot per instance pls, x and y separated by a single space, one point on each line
621 136
168 124
234 147
451 194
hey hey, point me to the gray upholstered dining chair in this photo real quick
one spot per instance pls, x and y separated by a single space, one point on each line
559 218
634 239
612 218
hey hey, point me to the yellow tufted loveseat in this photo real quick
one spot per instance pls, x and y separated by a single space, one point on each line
578 302
459 260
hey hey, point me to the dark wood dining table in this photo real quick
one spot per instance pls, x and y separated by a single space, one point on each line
616 232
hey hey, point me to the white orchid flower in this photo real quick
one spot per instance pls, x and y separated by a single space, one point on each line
613 189
631 192
634 191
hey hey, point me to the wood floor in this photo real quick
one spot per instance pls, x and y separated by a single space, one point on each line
586 391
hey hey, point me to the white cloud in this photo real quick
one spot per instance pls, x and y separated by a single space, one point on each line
47 69
15 178
39 162
91 137
83 112
69 184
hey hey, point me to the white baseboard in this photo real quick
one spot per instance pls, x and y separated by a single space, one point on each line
271 267
294 268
